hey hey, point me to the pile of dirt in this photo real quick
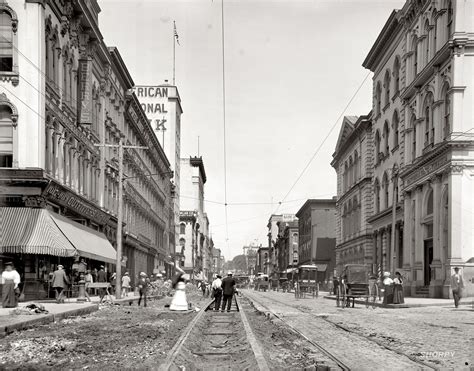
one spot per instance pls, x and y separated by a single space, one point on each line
121 336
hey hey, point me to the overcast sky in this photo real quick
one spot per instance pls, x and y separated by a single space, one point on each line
291 67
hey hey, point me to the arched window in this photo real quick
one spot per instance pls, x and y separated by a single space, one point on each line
377 147
434 36
351 172
413 137
447 112
378 98
182 228
6 136
414 48
386 133
429 124
6 42
377 195
356 167
429 203
385 184
449 28
396 75
386 85
427 42
395 124
344 177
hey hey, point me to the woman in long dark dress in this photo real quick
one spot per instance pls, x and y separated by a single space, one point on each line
398 297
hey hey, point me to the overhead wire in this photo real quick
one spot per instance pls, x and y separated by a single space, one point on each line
324 141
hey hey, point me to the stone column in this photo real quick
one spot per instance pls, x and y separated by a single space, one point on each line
419 243
61 141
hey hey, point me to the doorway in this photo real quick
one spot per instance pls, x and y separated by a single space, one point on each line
428 259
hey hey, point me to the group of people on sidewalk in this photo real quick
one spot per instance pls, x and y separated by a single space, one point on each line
223 291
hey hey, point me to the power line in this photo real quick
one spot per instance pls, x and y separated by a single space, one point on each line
224 120
324 140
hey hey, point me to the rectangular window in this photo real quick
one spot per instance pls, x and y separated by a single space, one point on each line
6 160
6 43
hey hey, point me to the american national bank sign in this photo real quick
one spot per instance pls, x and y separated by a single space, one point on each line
154 101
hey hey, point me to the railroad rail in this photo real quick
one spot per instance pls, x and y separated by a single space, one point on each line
215 339
330 353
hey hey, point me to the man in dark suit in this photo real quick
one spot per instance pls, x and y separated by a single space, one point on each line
228 287
102 277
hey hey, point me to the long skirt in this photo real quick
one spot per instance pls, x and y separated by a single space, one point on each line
398 297
9 298
388 295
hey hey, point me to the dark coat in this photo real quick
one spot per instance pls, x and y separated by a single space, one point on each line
101 276
228 285
60 279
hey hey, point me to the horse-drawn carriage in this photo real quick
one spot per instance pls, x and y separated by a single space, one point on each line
356 282
262 282
306 281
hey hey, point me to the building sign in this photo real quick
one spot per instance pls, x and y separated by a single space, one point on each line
288 217
85 91
187 214
64 197
154 101
426 169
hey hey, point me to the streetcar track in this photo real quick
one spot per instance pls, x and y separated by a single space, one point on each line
341 327
221 337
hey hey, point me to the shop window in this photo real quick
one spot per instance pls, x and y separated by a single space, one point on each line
182 228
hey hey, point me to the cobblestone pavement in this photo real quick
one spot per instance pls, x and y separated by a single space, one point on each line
441 337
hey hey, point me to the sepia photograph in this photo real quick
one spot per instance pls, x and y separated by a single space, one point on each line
237 184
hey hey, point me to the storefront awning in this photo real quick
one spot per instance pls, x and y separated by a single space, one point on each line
89 243
322 267
32 231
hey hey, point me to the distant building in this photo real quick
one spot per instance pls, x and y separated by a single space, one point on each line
273 233
354 168
317 236
250 253
193 241
262 261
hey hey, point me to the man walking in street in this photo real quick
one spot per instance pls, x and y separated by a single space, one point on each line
217 290
142 287
102 277
60 282
228 286
457 284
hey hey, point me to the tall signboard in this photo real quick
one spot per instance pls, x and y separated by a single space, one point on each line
162 106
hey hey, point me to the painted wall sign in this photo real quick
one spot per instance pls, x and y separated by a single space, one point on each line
85 91
426 169
62 196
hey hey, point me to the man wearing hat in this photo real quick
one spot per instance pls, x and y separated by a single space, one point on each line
142 287
388 289
10 280
228 287
457 284
102 277
60 282
125 284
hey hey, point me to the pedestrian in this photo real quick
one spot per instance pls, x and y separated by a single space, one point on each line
398 297
228 287
88 280
125 284
217 291
457 285
102 278
335 285
388 289
60 283
179 301
142 287
113 282
10 280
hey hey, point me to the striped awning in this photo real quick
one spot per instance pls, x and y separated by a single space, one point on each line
32 231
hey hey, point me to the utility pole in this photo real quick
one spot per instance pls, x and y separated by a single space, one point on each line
394 221
120 146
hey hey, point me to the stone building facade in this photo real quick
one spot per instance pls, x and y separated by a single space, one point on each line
62 100
423 148
352 161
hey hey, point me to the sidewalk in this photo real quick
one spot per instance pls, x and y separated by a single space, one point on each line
71 308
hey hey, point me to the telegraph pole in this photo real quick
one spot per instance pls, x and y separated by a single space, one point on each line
120 146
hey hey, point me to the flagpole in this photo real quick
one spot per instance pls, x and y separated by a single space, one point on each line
174 51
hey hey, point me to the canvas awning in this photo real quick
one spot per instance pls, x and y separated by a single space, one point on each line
32 231
88 242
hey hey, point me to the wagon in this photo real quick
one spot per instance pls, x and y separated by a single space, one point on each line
306 282
262 282
356 282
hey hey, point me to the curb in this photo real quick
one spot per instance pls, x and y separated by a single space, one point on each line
398 306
